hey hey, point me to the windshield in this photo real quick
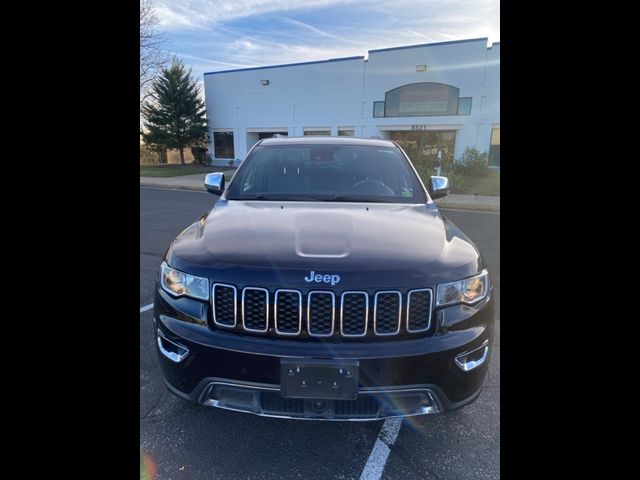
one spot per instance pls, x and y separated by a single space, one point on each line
340 173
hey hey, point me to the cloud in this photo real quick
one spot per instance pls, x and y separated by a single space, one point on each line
180 14
317 31
214 35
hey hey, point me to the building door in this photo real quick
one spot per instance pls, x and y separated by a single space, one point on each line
422 147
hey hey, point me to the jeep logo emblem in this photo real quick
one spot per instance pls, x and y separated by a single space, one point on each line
316 277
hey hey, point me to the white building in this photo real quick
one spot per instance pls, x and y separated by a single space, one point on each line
438 97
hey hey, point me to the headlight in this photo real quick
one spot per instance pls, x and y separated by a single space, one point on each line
180 283
468 291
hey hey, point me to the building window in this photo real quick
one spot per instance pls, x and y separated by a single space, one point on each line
346 132
378 109
263 135
464 106
317 131
223 143
494 149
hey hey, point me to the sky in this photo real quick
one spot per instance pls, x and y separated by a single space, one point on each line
215 35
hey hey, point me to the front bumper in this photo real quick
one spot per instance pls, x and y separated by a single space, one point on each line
397 378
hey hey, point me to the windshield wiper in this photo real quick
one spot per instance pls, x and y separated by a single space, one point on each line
310 198
350 198
282 197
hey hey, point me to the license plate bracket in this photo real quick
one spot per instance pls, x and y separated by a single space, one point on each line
319 379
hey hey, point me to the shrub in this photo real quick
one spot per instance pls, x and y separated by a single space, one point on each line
425 171
149 156
456 180
200 155
231 162
473 163
457 169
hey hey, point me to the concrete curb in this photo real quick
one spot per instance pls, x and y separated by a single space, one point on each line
469 206
172 187
441 204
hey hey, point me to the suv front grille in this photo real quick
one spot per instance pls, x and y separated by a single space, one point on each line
322 313
288 312
365 405
274 403
419 310
388 306
225 304
255 314
354 313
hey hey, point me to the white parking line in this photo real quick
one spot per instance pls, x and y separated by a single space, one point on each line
378 456
146 307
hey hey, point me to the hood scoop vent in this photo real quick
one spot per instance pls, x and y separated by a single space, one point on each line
323 235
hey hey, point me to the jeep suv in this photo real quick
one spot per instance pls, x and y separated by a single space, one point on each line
324 284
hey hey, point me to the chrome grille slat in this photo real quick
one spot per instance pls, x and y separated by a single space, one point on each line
320 312
224 310
421 311
285 313
387 312
255 309
350 310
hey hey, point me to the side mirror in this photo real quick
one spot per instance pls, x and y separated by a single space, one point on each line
214 183
439 187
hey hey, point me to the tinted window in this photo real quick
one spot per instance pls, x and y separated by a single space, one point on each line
464 106
494 150
327 173
378 109
223 144
324 133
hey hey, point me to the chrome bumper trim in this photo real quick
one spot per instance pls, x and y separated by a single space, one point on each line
434 407
466 365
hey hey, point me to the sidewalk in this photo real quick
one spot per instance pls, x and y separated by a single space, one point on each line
483 203
184 182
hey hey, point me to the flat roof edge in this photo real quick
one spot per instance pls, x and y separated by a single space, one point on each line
449 42
359 57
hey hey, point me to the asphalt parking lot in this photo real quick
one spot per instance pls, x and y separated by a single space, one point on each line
181 441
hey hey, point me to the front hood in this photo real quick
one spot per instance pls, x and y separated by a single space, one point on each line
367 245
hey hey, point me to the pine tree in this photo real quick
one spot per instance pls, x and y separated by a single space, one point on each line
174 115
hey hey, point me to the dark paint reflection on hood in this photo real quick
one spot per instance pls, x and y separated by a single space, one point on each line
367 244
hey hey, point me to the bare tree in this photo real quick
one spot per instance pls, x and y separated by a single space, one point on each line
152 58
